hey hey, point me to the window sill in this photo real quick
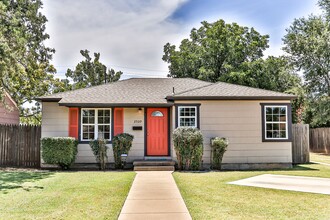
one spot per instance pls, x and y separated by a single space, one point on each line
274 140
87 142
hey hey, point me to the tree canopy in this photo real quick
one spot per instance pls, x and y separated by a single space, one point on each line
213 50
272 73
25 69
307 43
91 72
230 53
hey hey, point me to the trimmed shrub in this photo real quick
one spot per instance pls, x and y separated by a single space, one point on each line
188 145
59 150
99 149
121 144
219 147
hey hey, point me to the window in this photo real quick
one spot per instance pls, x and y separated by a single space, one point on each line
157 114
276 122
95 123
187 116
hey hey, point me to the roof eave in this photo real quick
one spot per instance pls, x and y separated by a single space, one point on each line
172 98
41 99
102 105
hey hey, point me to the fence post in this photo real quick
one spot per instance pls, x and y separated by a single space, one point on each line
300 143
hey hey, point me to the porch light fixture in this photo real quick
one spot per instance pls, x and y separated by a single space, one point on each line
140 110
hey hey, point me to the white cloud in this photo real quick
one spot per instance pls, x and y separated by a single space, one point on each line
126 33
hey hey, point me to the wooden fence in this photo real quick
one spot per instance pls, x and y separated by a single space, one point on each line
20 146
300 143
320 140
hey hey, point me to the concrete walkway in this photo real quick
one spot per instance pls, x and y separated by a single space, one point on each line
326 164
154 195
285 182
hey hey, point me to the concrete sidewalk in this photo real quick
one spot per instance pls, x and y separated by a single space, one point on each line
154 195
286 182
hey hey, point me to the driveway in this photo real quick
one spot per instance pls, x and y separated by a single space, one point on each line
284 182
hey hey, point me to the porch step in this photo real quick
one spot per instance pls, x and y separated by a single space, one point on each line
153 168
158 158
154 165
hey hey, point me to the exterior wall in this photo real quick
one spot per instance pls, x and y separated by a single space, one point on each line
55 120
10 114
240 122
132 117
55 123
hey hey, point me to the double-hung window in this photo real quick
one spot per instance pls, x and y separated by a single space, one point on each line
95 123
276 122
187 116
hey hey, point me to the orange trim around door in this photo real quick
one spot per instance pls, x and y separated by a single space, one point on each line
157 132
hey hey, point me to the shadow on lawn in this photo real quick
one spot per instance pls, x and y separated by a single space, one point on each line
16 180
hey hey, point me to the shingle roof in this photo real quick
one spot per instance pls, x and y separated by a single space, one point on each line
130 91
158 91
223 90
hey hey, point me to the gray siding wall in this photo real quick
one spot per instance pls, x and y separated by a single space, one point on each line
240 122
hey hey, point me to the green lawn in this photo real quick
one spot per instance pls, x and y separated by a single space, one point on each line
208 196
319 157
63 195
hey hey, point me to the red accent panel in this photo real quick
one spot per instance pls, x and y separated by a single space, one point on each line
118 121
157 133
73 122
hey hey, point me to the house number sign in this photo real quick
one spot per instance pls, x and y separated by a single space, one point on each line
137 121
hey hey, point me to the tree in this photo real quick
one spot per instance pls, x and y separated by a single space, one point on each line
307 43
272 73
25 69
317 112
91 72
213 50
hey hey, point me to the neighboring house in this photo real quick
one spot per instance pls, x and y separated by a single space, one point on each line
9 113
256 122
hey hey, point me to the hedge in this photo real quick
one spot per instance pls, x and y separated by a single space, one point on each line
59 150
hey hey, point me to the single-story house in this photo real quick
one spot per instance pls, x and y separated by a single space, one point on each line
9 113
256 122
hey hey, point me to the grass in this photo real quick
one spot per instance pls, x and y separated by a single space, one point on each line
208 196
63 195
320 157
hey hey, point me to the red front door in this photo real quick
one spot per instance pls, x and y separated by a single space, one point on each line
157 131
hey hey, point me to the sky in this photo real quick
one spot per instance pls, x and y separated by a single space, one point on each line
130 34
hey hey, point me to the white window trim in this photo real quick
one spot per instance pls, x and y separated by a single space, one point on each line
286 122
96 133
195 117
